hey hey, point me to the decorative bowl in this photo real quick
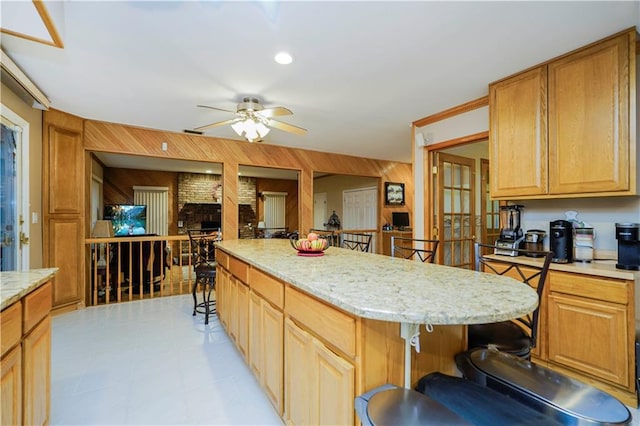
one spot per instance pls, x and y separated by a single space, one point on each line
306 247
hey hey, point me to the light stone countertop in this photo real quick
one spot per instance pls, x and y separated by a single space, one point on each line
15 285
390 289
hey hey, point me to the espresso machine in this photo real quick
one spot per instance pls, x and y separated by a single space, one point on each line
628 236
511 235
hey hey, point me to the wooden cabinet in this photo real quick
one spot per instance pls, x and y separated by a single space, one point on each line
386 239
316 378
518 135
63 200
589 336
11 387
592 327
548 124
254 324
26 359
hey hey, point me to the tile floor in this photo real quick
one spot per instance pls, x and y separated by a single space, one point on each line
150 362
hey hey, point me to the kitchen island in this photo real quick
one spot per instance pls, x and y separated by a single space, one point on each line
317 331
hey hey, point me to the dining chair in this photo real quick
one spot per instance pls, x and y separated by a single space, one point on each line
355 241
204 265
516 337
413 248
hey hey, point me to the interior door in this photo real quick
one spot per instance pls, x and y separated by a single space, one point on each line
360 211
320 210
455 200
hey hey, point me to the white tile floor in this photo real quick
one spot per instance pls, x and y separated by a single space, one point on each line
150 363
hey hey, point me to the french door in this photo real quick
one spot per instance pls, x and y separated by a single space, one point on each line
455 205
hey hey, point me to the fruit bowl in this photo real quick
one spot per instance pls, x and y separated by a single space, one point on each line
309 246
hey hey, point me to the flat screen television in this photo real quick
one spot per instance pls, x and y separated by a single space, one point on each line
400 220
126 219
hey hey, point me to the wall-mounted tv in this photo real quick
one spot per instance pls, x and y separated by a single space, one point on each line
400 220
126 219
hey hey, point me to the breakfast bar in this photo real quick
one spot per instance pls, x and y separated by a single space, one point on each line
317 331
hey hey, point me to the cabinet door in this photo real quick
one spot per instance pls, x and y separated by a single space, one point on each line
221 295
589 119
37 374
518 135
232 308
589 336
66 253
297 375
334 378
256 348
11 388
243 319
272 330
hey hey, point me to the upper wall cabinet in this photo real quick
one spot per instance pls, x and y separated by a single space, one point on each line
564 129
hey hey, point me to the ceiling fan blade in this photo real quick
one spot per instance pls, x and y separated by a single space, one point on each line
274 112
219 123
217 109
287 127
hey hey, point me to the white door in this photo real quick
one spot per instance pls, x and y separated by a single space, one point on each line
360 211
14 208
320 210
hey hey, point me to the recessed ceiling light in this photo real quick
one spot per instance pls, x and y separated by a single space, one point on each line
208 171
283 58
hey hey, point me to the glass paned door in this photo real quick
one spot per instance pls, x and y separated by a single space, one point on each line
455 199
8 199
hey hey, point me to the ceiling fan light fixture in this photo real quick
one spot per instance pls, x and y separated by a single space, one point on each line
283 58
251 128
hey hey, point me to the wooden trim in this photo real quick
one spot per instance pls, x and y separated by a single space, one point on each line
456 110
56 40
458 141
22 79
48 23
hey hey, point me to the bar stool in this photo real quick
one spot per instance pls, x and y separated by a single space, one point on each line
204 265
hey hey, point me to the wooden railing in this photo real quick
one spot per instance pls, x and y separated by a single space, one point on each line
133 268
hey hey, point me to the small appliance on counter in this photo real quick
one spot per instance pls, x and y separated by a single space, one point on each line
511 235
583 244
628 236
561 241
534 241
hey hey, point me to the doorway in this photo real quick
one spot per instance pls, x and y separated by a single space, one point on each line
14 168
481 222
320 210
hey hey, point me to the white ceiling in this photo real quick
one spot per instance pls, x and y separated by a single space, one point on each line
362 71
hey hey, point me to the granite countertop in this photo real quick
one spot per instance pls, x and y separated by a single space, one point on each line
15 285
599 268
390 289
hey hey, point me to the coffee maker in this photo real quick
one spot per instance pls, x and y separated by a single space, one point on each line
511 235
628 236
561 241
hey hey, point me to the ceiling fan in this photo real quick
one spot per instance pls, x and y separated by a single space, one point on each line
253 121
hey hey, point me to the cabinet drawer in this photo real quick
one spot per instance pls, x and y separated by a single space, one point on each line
11 326
37 305
336 328
267 286
605 289
222 259
239 269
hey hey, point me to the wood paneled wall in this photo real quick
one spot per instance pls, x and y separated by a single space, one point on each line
117 138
